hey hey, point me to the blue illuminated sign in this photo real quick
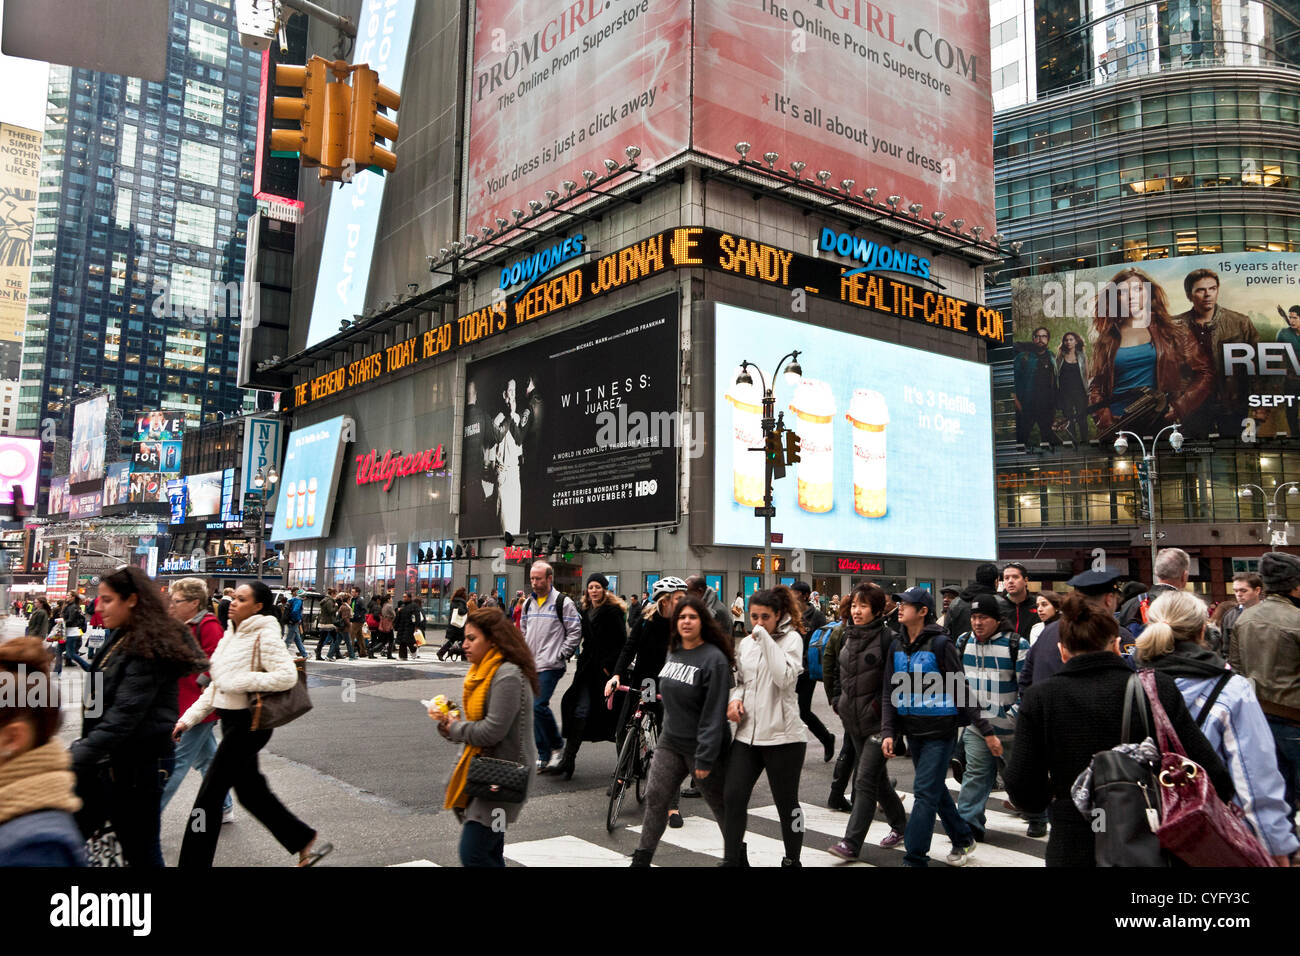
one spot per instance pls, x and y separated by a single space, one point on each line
532 268
875 256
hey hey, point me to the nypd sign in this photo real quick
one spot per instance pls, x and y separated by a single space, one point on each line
261 449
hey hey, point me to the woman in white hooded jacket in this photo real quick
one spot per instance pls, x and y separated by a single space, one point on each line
769 733
252 628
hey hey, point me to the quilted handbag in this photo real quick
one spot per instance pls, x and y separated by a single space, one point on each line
103 848
1196 826
496 780
271 709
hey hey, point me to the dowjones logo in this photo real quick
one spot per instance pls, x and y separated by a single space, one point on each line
875 256
532 268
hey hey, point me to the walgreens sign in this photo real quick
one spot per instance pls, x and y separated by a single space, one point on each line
371 468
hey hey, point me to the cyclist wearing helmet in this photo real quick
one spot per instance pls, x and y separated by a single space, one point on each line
648 645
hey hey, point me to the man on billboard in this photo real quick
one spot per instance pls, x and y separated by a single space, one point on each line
1290 334
1212 327
530 425
1035 389
479 438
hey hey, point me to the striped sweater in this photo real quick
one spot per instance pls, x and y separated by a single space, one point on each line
992 677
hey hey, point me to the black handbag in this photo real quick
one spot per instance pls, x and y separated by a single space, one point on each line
1126 798
271 709
496 780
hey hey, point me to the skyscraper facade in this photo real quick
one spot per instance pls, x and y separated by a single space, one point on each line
145 191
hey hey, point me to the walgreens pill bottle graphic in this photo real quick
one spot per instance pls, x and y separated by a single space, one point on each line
302 502
814 408
746 433
289 493
311 502
869 414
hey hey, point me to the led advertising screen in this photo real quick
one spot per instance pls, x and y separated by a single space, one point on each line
893 95
164 456
383 35
576 431
117 483
20 464
313 461
20 167
1210 341
897 444
557 88
177 499
88 440
159 426
148 488
58 501
86 506
204 494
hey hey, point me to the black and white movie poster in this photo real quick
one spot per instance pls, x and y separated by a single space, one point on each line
578 430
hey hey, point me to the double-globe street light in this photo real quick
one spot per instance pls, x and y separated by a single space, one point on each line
1147 472
264 482
793 375
1275 538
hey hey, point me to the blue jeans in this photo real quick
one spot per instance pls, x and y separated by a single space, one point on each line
1286 737
545 732
293 633
197 748
930 756
480 845
980 776
70 651
342 635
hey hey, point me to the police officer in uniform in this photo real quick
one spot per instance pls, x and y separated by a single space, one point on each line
1044 658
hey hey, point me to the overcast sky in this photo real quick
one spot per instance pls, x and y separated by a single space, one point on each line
23 83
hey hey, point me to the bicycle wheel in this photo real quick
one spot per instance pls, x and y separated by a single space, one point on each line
622 777
645 754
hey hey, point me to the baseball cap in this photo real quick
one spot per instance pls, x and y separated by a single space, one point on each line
917 596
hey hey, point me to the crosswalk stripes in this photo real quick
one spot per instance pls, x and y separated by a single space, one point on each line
412 863
700 835
567 850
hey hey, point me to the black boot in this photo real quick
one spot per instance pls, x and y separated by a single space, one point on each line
571 745
786 861
741 860
642 857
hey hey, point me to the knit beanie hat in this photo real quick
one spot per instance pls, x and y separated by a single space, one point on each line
599 579
1280 571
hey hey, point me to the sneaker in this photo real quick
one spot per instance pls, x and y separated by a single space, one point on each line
541 766
1037 828
892 838
958 769
844 851
557 758
960 855
228 816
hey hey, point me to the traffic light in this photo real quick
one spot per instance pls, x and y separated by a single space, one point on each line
309 110
368 123
334 140
791 448
772 448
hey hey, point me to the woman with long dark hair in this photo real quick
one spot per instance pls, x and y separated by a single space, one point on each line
254 633
125 755
497 709
583 707
694 682
1072 385
1137 345
769 733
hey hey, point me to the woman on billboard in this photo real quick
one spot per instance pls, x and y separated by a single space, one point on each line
1147 372
1072 385
507 454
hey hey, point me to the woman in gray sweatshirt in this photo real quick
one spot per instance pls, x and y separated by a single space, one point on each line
695 683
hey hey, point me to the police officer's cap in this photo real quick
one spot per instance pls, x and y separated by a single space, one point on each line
1095 583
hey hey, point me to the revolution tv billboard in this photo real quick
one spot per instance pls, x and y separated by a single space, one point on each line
1210 341
576 431
313 459
896 444
892 95
117 483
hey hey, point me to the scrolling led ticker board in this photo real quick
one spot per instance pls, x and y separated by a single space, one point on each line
683 247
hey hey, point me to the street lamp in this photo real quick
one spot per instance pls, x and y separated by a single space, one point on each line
1147 472
264 482
1276 538
793 375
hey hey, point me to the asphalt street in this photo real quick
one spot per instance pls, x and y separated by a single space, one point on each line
368 770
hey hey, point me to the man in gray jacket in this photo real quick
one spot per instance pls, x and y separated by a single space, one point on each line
699 587
552 628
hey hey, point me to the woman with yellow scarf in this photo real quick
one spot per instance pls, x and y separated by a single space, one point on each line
495 720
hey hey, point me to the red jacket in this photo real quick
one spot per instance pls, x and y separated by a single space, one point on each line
208 633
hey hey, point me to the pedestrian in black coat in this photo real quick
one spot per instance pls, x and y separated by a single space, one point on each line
1067 718
582 708
405 623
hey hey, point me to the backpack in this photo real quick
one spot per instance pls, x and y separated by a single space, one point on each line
817 649
583 623
1013 646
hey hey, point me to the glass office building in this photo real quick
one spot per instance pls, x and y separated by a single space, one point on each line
144 196
1126 135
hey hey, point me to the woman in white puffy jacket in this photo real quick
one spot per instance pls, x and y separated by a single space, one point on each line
769 733
252 626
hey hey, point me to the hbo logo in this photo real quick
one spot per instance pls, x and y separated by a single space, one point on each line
646 487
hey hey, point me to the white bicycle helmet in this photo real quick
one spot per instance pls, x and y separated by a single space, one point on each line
666 586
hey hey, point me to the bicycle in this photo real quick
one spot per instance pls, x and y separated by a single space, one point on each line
633 766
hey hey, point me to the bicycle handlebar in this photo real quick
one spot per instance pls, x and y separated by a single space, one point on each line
609 701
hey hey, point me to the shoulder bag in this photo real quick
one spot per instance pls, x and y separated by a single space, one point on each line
275 708
496 780
1197 827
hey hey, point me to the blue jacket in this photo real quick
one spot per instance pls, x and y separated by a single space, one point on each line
295 610
1238 731
43 838
924 693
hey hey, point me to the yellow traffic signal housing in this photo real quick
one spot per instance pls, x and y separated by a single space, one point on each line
368 124
309 110
334 140
791 447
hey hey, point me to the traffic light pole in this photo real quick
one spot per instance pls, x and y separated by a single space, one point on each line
769 408
342 24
